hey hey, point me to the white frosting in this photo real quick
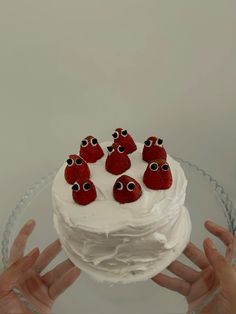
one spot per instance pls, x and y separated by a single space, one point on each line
123 242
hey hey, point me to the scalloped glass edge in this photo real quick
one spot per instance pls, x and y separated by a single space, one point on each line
38 187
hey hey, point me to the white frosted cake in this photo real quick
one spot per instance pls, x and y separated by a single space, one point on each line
113 237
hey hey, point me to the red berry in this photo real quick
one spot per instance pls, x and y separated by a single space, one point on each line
153 149
76 168
123 138
117 160
158 175
90 150
126 190
84 192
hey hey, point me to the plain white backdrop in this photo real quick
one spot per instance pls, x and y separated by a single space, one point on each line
73 68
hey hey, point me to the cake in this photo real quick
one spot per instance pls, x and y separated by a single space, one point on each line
118 208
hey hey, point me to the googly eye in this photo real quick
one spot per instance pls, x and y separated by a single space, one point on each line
86 186
153 166
148 143
76 187
124 133
120 149
165 167
110 149
78 161
160 142
115 135
119 186
70 162
84 143
130 186
94 141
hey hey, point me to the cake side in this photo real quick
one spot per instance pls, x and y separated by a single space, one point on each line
121 257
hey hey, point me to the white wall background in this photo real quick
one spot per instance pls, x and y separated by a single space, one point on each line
70 68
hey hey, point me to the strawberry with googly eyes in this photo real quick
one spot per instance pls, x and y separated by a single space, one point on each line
117 160
90 150
126 190
153 149
123 138
84 192
76 168
158 175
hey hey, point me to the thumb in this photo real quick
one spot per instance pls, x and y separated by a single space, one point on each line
221 267
11 275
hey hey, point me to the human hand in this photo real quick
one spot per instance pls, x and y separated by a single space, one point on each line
215 272
24 273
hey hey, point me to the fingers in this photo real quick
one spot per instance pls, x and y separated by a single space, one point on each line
50 277
174 284
9 278
64 282
47 256
223 234
183 271
221 267
196 256
18 246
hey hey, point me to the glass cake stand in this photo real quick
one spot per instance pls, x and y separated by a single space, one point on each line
206 199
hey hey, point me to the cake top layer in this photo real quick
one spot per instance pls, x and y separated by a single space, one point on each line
105 214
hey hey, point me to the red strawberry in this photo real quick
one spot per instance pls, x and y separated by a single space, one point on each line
153 149
158 175
76 168
90 149
84 192
123 138
126 190
117 160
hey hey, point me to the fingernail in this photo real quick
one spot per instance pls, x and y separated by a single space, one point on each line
210 244
77 271
211 223
30 222
31 253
